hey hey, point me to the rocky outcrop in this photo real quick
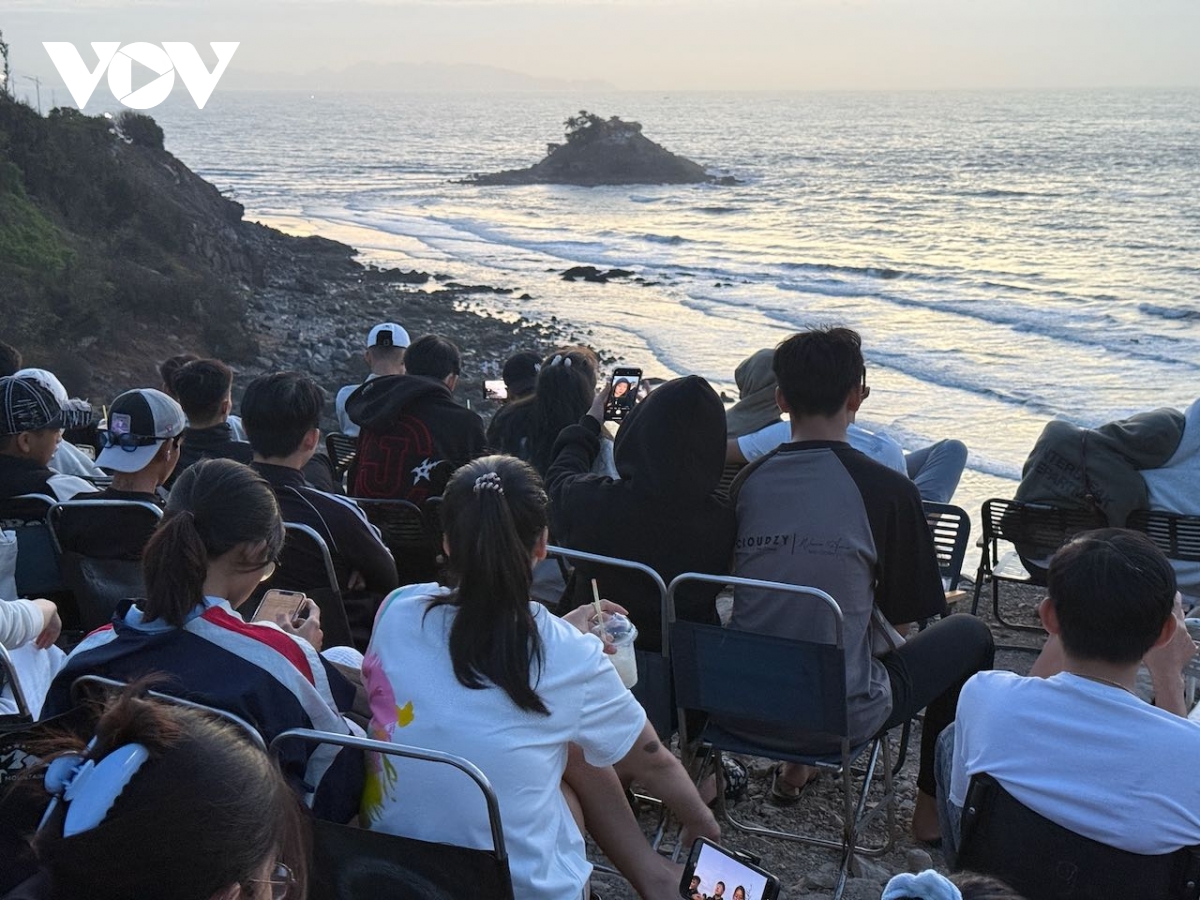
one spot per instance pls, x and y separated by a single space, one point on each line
601 151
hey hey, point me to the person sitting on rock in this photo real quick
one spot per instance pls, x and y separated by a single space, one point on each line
1056 739
282 413
755 430
204 388
31 419
386 344
414 436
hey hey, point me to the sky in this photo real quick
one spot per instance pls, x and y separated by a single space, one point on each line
664 44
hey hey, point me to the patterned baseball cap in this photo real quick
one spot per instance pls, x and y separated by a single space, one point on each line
138 422
27 406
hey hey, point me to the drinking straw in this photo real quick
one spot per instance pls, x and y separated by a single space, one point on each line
599 610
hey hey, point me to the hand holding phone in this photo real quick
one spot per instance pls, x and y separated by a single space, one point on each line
622 393
277 605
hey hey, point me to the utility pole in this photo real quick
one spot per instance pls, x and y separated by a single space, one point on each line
37 83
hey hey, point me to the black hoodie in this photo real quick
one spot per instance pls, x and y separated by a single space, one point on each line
413 437
664 512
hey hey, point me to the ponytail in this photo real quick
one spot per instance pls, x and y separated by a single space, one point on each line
216 505
494 512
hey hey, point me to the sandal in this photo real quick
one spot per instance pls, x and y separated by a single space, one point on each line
785 793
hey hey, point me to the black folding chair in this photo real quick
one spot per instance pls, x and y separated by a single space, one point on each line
342 450
407 533
951 530
38 571
352 863
1042 860
1036 531
1177 536
97 577
10 687
783 699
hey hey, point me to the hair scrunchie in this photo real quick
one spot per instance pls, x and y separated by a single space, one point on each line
489 481
929 885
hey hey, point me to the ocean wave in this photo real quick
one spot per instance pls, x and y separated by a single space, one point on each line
719 210
884 273
673 240
1168 312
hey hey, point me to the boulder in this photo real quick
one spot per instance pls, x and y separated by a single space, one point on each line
601 151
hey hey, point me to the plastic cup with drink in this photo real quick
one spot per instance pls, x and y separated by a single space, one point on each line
616 630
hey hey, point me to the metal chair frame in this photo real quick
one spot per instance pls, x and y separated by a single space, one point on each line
26 587
405 751
113 685
55 514
1052 521
334 621
856 815
1176 535
343 451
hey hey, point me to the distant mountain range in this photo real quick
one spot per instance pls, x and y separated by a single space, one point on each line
370 76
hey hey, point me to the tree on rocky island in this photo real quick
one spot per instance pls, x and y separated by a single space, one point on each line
601 151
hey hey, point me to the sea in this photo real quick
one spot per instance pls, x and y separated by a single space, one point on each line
1009 257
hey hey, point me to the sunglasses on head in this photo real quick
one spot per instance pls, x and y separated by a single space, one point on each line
128 442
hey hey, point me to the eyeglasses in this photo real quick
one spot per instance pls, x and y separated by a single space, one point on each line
127 442
269 568
866 388
281 882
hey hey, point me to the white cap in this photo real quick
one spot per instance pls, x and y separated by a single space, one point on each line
389 334
147 415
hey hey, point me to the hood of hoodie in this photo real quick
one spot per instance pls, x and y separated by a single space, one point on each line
673 442
756 407
378 402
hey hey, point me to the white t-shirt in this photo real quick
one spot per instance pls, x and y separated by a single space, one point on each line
1086 755
879 447
416 699
349 428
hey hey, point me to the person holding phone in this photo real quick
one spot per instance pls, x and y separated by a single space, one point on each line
664 511
218 540
481 671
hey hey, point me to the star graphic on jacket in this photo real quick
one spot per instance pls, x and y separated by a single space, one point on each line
424 470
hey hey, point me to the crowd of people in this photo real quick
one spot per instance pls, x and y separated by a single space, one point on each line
497 663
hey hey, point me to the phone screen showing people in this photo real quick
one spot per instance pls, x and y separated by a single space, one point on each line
714 873
495 390
623 394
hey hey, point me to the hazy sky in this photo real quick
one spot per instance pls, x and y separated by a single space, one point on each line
666 44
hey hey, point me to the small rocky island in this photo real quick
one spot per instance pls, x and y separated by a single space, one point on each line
601 151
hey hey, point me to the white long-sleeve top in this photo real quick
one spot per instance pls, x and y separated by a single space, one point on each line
20 622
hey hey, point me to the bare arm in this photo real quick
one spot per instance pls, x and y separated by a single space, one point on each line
1166 662
733 452
653 765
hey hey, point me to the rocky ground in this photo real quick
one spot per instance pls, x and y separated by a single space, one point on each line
812 872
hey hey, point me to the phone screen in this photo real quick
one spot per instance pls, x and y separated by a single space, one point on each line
495 390
276 604
713 873
623 394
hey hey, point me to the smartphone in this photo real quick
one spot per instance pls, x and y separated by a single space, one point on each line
714 872
495 390
276 604
623 394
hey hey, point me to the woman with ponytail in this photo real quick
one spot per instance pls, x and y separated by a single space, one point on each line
481 671
218 540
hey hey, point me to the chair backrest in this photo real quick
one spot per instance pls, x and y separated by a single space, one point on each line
87 686
1175 535
342 450
37 559
86 527
95 540
355 864
653 688
406 531
1035 529
297 572
1042 860
752 679
951 530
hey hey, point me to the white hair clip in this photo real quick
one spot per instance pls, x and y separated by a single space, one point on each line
560 359
489 481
